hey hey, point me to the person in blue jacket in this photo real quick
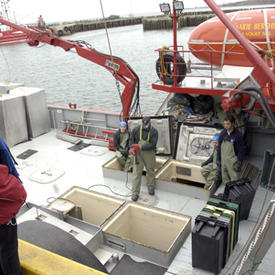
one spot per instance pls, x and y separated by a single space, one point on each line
7 158
9 260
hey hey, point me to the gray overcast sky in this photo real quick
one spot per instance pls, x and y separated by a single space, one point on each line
27 11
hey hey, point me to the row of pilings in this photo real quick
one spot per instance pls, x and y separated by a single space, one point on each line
81 26
87 26
165 22
149 23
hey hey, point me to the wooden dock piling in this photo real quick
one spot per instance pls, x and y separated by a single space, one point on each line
164 22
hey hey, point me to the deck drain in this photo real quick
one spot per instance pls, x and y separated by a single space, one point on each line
79 146
93 151
26 154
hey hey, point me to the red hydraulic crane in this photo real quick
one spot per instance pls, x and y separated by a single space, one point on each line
119 68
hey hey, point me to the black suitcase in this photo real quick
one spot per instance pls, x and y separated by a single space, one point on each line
240 191
220 201
209 239
227 214
227 219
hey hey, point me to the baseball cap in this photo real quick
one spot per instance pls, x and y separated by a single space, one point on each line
122 124
215 138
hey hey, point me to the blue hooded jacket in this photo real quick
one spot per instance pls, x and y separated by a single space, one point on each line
7 159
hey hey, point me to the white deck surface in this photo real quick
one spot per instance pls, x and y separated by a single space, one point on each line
85 170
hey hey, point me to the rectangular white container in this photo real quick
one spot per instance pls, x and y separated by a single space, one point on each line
95 207
38 118
150 233
13 123
183 178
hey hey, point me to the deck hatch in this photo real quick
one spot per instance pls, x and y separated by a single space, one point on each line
89 206
147 232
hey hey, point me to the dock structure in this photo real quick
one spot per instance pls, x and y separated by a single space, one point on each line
191 17
69 28
164 22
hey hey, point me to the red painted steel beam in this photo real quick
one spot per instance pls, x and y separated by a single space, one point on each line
188 90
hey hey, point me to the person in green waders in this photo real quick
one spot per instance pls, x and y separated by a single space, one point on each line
209 167
144 139
230 152
122 143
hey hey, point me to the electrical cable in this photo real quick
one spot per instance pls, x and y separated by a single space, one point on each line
122 195
112 58
135 108
115 193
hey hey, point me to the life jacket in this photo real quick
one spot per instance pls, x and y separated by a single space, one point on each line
12 195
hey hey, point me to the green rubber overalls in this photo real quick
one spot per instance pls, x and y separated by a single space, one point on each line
228 158
147 159
209 171
125 162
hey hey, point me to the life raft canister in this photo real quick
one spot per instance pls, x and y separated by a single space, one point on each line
165 68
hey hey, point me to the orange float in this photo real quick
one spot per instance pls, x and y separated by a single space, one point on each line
211 41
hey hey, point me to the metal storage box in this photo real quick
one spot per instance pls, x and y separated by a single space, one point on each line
183 178
5 87
88 234
38 119
150 233
90 206
13 124
112 169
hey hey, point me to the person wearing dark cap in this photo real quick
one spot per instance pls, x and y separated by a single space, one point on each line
144 139
122 143
209 167
230 152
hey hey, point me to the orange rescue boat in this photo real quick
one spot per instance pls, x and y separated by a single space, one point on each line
211 41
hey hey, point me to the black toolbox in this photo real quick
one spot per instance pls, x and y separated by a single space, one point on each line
230 216
209 242
240 191
225 203
225 218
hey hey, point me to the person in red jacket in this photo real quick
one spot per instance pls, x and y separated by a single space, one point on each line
12 197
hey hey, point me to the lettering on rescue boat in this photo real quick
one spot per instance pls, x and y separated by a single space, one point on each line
213 43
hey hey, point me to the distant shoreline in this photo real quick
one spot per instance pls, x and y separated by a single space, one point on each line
249 3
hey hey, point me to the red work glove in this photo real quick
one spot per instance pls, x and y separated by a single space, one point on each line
137 147
133 151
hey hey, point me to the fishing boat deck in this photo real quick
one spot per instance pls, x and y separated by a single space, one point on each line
84 168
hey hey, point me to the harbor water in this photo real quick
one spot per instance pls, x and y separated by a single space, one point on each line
68 78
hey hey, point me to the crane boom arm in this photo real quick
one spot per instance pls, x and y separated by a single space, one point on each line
119 68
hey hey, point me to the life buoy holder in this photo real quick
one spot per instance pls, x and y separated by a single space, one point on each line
165 68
